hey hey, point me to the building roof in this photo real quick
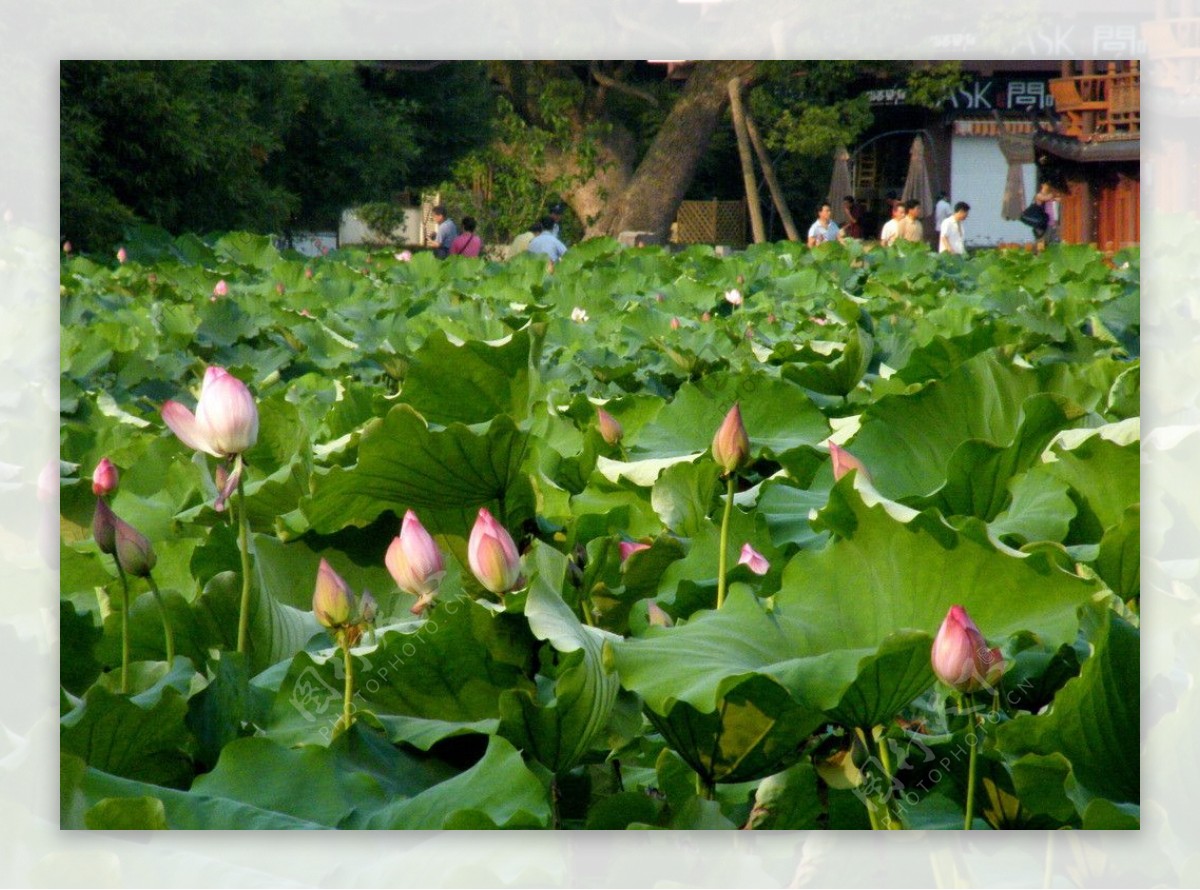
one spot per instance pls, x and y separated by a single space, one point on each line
1084 152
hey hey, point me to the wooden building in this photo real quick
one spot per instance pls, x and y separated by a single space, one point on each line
1093 152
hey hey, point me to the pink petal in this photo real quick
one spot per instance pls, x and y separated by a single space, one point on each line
182 423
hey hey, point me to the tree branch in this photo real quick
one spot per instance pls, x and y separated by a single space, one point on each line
612 83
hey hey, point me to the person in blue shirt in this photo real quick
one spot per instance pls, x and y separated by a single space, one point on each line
447 231
824 229
545 243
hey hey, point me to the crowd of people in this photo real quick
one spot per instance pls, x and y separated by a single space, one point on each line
904 223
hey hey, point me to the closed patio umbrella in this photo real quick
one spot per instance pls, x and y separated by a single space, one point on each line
1017 149
916 184
839 186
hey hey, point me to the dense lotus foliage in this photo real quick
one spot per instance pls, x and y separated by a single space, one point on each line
510 518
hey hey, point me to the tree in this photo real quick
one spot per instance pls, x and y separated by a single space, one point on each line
622 145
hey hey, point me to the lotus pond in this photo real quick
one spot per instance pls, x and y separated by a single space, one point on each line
985 413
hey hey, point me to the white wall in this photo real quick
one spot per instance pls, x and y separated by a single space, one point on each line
977 175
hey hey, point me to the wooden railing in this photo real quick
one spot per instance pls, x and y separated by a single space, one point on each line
1099 106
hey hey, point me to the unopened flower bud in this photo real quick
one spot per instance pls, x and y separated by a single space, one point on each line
731 445
610 428
134 551
333 603
414 560
674 324
104 527
220 289
628 548
492 554
121 255
104 478
844 462
960 655
657 616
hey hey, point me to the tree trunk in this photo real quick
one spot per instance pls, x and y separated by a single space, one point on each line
651 199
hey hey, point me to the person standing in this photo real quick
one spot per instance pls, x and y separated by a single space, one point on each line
824 229
950 236
911 229
445 234
854 217
892 228
941 211
468 243
546 244
1047 198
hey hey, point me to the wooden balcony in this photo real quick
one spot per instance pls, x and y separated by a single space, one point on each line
1095 107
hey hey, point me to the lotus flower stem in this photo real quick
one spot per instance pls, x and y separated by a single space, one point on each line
125 644
972 764
723 554
891 822
168 635
348 695
244 543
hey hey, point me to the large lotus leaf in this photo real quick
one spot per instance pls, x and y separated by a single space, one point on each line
836 373
142 738
778 415
425 681
1105 477
1040 510
683 495
469 383
1094 719
247 250
1119 562
276 631
559 732
497 792
882 574
941 355
787 510
88 788
403 464
907 440
790 800
756 730
978 473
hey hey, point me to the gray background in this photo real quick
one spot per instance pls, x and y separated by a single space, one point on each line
34 36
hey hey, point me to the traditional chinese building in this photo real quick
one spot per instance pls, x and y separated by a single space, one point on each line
984 144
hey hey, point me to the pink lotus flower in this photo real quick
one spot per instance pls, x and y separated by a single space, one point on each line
610 428
226 418
579 315
733 296
628 548
104 478
415 562
121 255
66 247
731 445
960 655
674 324
818 319
333 603
753 560
844 462
220 289
492 554
404 256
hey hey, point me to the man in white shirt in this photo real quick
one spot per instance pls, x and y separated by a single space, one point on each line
824 229
545 243
951 234
891 228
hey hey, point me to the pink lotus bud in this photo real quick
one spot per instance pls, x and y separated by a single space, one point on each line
414 560
705 316
104 527
220 289
658 298
961 657
226 418
492 554
66 247
674 324
733 296
306 313
333 603
628 548
121 255
749 333
844 462
658 616
279 288
771 318
404 256
133 549
753 560
611 430
307 272
731 445
104 478
818 319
